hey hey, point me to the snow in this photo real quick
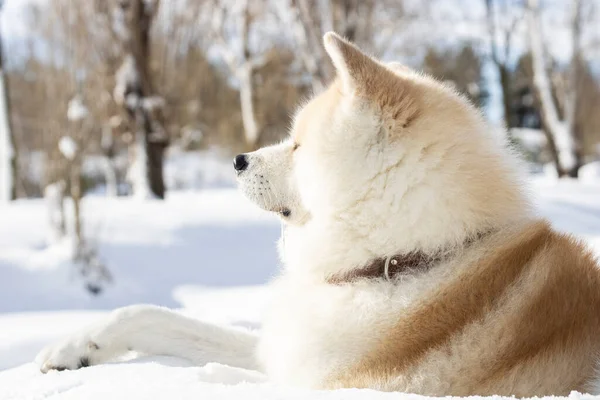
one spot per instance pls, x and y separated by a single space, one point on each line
532 139
565 144
76 110
152 248
549 171
137 174
152 103
590 173
67 147
126 80
196 169
206 252
165 378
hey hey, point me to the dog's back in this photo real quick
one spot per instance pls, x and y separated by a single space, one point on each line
521 317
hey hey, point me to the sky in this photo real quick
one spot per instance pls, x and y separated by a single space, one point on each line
13 18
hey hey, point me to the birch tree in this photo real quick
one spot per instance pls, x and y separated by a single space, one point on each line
559 128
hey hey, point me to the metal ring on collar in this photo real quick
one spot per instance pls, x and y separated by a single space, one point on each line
386 267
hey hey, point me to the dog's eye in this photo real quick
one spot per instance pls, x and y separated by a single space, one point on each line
296 145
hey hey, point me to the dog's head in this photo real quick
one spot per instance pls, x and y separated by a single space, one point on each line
384 148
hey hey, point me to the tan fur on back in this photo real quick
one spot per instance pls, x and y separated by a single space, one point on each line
521 314
522 318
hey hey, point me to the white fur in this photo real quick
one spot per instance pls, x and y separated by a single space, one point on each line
353 195
151 330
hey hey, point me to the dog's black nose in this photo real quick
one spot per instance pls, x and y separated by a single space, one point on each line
240 162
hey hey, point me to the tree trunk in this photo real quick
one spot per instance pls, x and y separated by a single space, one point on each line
553 150
506 98
110 172
8 150
573 172
8 161
154 157
75 172
110 176
572 95
138 168
501 59
251 132
54 195
144 120
559 131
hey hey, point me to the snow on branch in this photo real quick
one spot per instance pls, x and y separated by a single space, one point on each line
127 80
76 110
67 147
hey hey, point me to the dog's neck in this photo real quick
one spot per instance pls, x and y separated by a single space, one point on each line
386 267
400 264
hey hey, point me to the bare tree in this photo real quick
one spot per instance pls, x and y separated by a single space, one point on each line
135 93
242 64
307 34
8 154
73 151
460 67
572 95
502 21
352 19
74 148
559 127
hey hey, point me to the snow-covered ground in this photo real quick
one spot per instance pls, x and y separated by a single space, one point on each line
206 252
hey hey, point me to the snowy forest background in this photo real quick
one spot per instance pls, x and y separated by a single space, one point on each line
142 99
109 90
119 119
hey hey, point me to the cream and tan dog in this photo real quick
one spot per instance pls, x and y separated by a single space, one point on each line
412 259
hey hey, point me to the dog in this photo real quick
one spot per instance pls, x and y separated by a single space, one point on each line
412 258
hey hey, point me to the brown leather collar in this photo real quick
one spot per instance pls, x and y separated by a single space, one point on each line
393 266
388 268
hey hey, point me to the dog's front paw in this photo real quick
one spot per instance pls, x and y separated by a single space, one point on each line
72 353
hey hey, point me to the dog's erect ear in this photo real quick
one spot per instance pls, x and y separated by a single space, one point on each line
352 65
362 75
398 67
